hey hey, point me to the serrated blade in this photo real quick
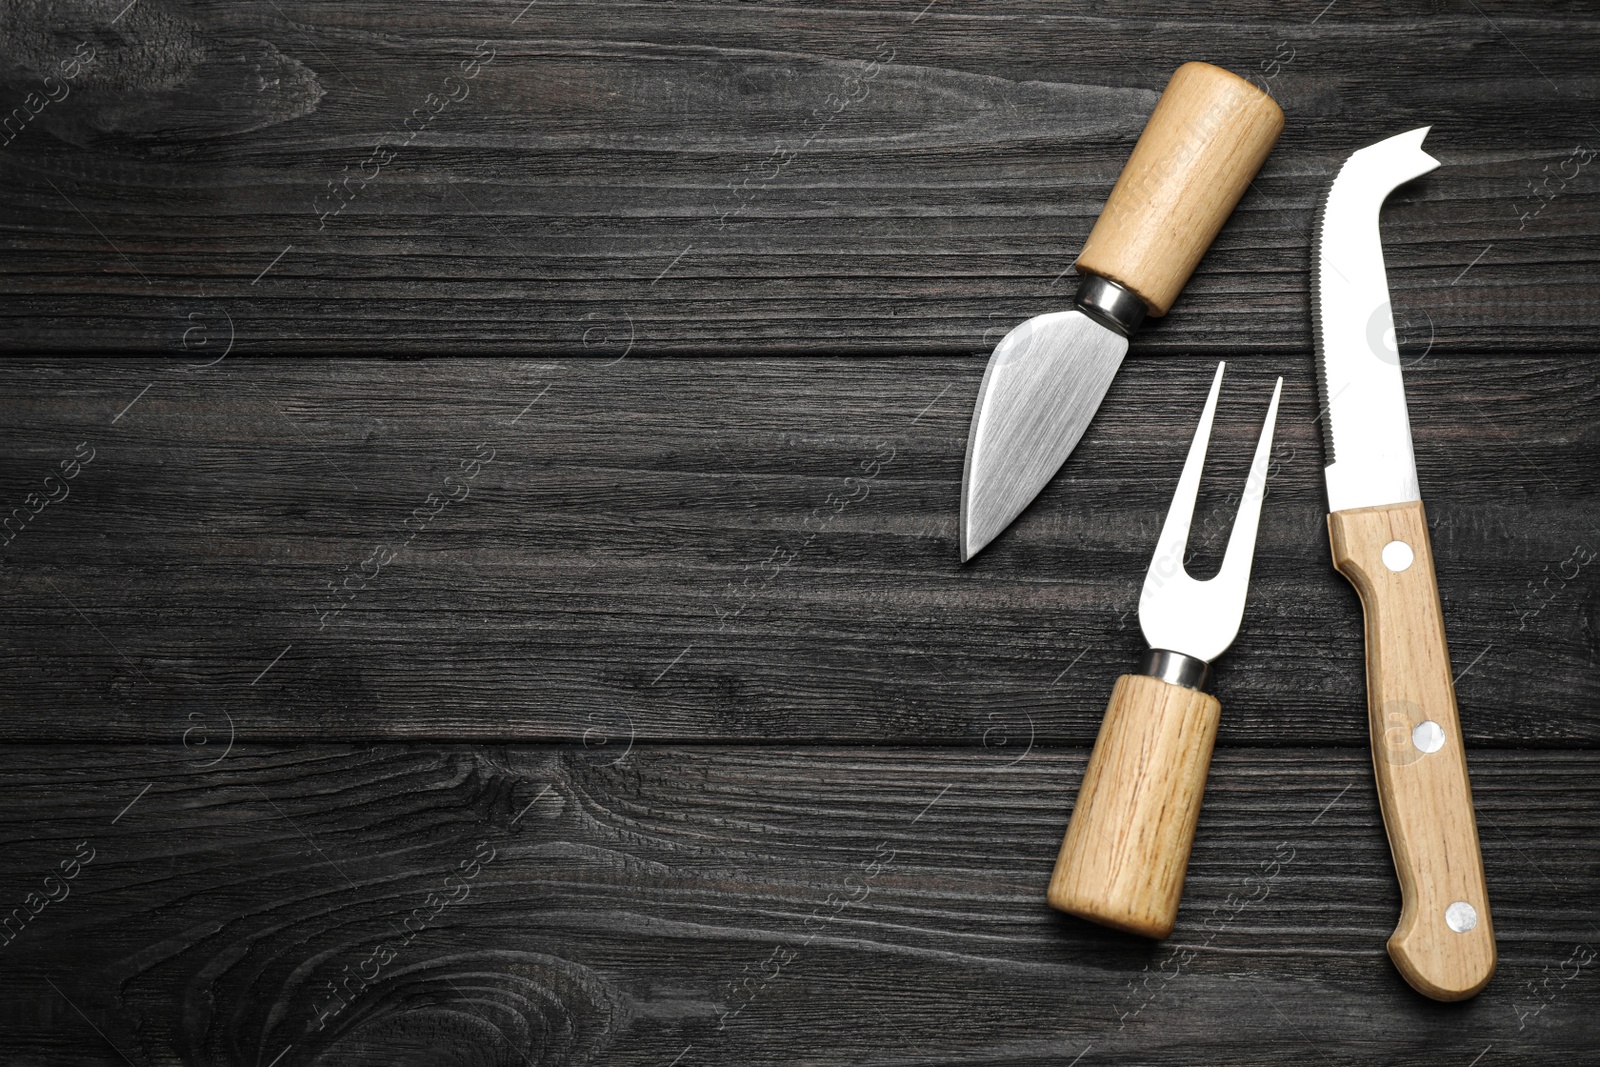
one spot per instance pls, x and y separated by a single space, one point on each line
1043 384
1365 425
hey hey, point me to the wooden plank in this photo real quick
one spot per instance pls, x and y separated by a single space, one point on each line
736 550
717 177
736 906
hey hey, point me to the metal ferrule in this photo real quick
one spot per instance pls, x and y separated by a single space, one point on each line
1109 304
1176 668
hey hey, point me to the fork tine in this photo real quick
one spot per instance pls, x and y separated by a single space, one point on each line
1167 562
1235 571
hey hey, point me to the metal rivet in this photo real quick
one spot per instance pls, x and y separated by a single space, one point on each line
1428 736
1461 916
1397 555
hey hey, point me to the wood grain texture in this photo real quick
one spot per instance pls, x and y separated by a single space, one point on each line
1127 846
637 557
729 177
277 636
744 904
1425 794
1206 139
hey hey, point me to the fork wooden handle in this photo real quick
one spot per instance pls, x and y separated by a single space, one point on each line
1127 846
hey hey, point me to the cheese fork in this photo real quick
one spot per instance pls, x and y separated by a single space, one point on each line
1127 845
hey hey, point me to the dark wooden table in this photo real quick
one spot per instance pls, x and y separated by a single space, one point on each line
454 710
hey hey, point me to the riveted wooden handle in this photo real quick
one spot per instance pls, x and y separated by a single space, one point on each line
1444 942
1127 846
1209 134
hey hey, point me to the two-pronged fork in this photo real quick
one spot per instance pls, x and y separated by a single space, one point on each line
1127 846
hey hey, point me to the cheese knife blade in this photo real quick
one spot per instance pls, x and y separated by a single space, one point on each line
1443 944
1205 140
1041 388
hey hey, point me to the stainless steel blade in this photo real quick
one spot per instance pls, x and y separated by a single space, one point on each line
1365 425
1200 619
1040 390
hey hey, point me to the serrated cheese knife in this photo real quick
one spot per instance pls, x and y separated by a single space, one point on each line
1444 942
1209 134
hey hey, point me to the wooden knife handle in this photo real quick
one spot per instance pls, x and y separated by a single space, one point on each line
1209 134
1127 845
1444 943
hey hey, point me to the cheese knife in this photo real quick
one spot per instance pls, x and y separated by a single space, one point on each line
1209 134
1443 944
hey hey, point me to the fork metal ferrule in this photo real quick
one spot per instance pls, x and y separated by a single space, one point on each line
1176 668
